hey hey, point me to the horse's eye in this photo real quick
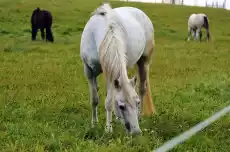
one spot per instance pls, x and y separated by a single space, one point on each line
122 107
138 103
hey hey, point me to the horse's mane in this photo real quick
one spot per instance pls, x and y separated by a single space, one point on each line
113 48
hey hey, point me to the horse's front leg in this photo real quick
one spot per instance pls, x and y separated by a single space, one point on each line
109 108
189 33
42 33
34 32
142 86
198 34
193 34
94 98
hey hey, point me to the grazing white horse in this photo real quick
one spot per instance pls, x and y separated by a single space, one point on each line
112 41
195 23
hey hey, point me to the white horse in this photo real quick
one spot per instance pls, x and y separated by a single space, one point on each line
195 23
112 41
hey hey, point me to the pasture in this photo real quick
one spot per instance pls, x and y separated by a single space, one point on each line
44 96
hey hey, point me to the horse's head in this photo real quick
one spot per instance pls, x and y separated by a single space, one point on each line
127 111
102 9
34 15
36 10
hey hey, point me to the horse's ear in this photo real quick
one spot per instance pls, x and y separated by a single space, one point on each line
133 81
37 9
116 84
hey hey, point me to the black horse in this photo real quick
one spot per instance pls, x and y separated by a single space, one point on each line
42 19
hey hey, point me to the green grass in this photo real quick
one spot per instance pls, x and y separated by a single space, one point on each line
44 97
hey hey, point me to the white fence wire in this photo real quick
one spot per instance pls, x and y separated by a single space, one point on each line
192 131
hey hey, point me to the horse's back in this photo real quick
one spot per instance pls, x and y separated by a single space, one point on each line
143 20
196 20
136 37
146 25
41 18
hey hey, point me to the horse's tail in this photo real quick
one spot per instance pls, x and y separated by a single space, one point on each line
112 52
206 26
206 23
148 108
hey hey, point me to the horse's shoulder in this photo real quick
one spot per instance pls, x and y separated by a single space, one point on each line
95 21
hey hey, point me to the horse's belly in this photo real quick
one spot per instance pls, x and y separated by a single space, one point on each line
136 46
195 21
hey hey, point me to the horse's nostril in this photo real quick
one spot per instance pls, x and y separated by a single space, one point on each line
127 125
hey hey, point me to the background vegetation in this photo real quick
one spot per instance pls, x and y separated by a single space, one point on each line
44 97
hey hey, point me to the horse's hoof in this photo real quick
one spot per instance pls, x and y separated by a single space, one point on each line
108 129
93 124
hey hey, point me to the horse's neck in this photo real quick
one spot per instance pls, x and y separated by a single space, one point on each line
113 52
123 71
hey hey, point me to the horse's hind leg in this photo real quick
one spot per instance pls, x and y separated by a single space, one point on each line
92 81
147 106
142 75
49 34
42 33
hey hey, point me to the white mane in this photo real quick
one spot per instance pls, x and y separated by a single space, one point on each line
112 52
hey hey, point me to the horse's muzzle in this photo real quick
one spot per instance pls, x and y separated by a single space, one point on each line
131 130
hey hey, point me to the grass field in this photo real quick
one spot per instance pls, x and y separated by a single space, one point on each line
44 97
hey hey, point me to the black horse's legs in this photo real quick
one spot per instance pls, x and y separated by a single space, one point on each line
200 34
42 33
34 33
94 98
49 35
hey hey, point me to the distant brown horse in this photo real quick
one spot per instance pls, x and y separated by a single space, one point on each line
42 19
